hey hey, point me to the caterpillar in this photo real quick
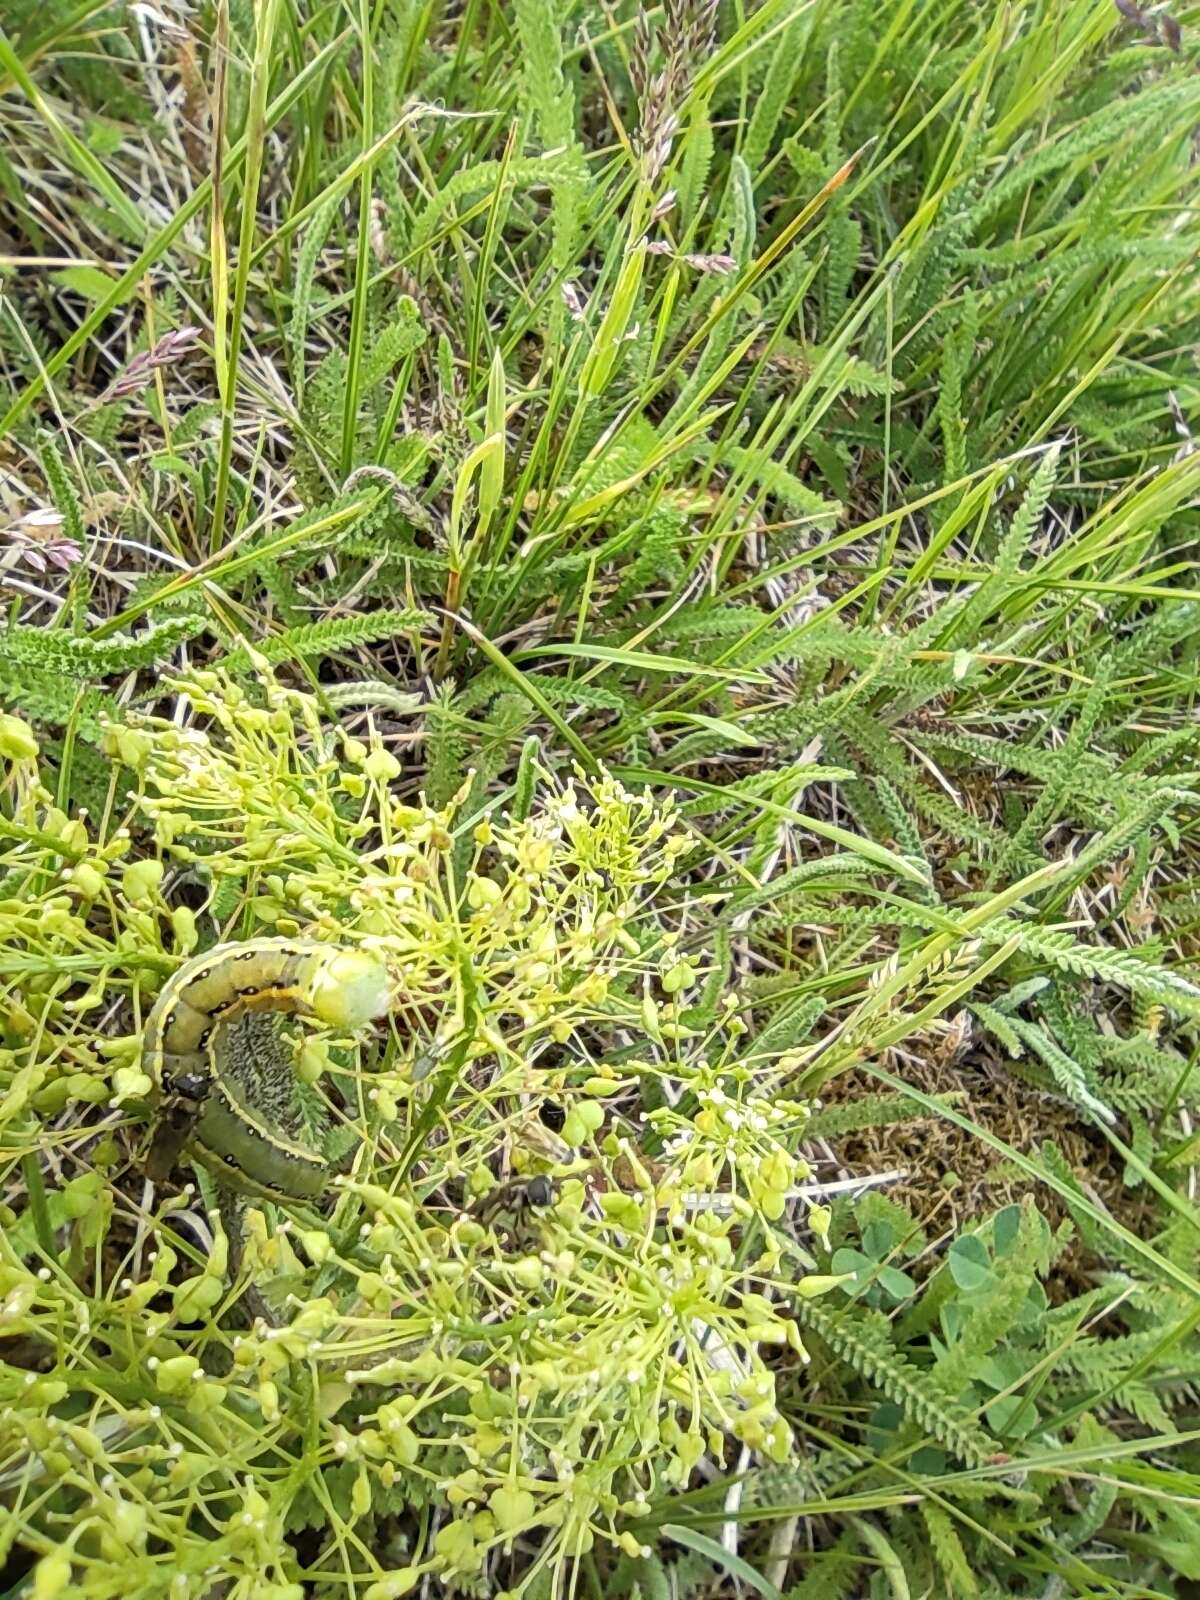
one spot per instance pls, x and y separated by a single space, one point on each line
191 1048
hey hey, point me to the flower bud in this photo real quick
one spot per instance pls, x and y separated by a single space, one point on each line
183 926
141 882
53 1572
175 1374
815 1283
512 1508
17 743
381 766
86 878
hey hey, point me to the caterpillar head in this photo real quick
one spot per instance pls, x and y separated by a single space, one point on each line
350 989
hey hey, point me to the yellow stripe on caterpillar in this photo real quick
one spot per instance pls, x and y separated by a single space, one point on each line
344 988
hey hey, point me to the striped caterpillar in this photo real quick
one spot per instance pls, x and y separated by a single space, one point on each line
190 1045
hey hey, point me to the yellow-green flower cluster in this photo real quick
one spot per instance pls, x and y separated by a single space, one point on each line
549 1367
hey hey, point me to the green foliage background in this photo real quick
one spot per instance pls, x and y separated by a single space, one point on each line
788 406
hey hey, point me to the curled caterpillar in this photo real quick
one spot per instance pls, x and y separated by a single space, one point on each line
190 1034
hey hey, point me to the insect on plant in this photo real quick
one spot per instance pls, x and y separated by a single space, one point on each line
514 1204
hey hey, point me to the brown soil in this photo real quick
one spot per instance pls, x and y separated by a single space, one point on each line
952 1177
